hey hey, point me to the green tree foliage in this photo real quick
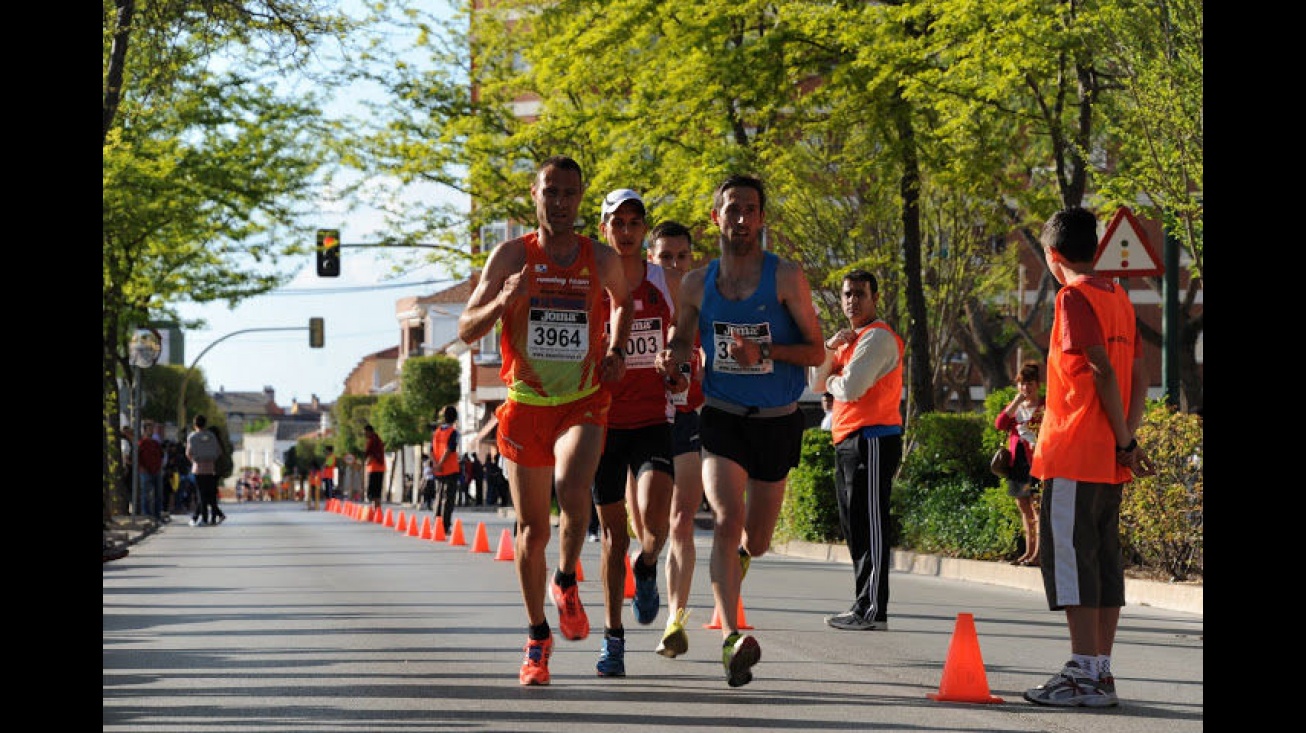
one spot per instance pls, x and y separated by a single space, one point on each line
908 137
159 389
1161 516
1155 50
203 163
350 413
427 384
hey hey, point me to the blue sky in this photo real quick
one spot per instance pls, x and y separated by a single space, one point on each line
359 312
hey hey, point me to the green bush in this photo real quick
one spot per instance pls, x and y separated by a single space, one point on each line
1161 515
943 446
810 512
956 518
946 502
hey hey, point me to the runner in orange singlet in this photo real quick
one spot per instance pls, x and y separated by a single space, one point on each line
546 288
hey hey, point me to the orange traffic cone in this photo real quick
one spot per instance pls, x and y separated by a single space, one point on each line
630 580
389 520
401 525
580 572
505 547
740 618
963 673
456 536
480 543
437 531
380 518
412 527
426 528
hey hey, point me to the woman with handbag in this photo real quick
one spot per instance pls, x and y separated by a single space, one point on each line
1020 419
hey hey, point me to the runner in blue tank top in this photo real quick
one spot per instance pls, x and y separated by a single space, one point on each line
760 331
759 317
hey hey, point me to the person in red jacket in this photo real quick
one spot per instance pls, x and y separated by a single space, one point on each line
1020 420
149 452
374 462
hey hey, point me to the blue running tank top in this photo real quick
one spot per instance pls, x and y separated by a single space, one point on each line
760 317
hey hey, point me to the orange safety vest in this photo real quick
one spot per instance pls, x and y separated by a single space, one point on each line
879 404
439 444
1076 440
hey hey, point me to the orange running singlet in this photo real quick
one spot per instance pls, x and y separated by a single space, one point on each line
553 345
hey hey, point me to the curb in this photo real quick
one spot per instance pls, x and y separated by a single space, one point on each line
1185 597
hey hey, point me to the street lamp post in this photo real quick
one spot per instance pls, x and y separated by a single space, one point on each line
185 380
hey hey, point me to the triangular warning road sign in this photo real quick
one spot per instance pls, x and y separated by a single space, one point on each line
1124 250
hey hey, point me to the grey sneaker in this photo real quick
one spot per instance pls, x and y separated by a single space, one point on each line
853 621
1071 687
1108 687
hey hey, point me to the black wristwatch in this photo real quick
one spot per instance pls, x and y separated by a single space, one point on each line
764 348
1129 448
619 352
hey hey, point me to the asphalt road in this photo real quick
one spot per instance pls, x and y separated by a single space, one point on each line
283 619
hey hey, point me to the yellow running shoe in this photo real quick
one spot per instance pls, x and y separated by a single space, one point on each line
675 641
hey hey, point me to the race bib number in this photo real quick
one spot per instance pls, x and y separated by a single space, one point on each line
558 335
646 340
723 336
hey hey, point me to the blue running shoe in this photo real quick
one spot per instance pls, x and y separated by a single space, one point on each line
612 659
646 600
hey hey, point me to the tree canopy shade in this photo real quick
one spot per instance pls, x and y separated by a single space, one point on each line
912 137
204 165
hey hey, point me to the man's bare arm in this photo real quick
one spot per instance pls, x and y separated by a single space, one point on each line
502 280
796 295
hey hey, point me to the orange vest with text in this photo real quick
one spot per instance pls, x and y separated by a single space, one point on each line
1076 440
553 343
877 405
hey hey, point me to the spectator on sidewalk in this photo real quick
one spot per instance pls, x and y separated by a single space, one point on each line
862 372
1087 451
1020 420
478 480
329 473
149 451
203 449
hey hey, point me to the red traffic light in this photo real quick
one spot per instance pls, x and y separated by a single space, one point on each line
328 253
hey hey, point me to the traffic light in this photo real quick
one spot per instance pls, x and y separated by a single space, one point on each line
316 333
328 253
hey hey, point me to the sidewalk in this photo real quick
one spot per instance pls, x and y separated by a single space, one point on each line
1185 597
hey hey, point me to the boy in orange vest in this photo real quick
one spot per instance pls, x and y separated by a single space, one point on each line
1086 453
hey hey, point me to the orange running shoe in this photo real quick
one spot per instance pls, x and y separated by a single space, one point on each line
572 621
535 667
